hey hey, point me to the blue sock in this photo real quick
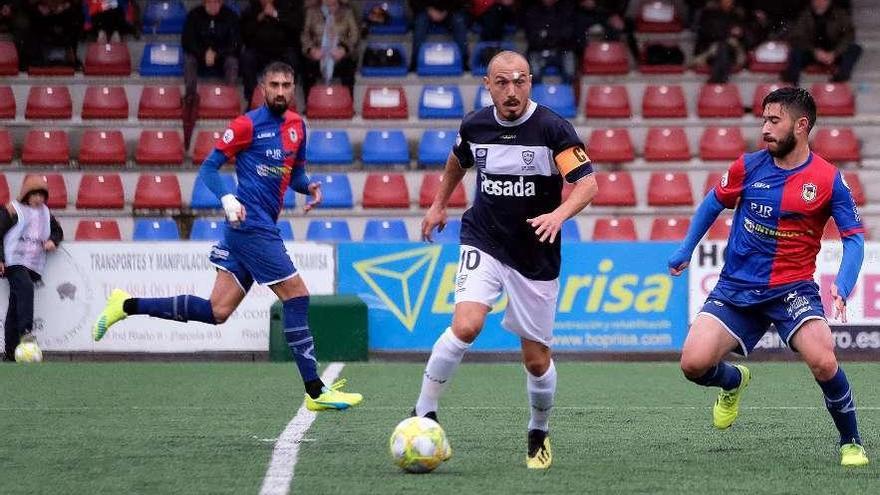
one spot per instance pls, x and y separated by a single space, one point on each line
177 308
301 343
723 375
840 403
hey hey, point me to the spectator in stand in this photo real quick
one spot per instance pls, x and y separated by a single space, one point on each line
493 20
269 29
772 20
54 30
330 44
822 34
721 39
110 19
448 13
611 16
551 39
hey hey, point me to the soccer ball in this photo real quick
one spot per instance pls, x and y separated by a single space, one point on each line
419 445
28 352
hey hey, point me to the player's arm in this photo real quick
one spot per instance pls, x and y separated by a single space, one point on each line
235 138
300 180
846 216
576 167
453 173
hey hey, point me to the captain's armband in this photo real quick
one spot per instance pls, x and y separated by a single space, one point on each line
574 163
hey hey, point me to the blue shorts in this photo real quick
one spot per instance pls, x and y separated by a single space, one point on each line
253 255
748 323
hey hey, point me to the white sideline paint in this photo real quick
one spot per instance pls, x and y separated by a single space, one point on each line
280 473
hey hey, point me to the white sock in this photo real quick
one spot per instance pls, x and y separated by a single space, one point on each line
445 358
542 390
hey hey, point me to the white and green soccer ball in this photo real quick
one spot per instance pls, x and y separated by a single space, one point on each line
419 445
28 352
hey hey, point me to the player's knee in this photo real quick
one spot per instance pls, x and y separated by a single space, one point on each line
466 331
221 314
824 367
537 366
694 368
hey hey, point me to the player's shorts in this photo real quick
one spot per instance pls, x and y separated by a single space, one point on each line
531 306
787 312
253 255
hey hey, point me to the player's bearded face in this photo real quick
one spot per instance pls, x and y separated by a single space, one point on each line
780 147
279 92
510 85
778 131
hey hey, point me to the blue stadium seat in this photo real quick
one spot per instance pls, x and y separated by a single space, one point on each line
570 231
439 59
388 147
399 70
450 234
479 69
397 21
162 60
155 229
202 197
164 17
328 230
336 190
483 98
385 230
435 145
290 198
207 229
285 230
441 102
326 146
559 97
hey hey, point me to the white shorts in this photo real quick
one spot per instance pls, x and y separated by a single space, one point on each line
531 306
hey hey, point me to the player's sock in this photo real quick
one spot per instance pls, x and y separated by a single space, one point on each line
542 390
178 308
840 403
302 345
723 375
445 358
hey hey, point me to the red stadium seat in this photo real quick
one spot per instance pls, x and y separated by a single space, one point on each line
386 191
160 102
770 57
430 186
719 100
100 191
658 16
720 230
102 148
205 141
105 102
615 189
834 99
855 187
51 70
8 59
606 57
48 102
57 190
615 229
761 92
722 143
4 189
385 102
6 149
329 102
608 102
218 102
670 189
610 146
107 59
655 68
98 230
837 145
157 191
159 148
669 228
664 102
712 180
45 148
7 103
666 144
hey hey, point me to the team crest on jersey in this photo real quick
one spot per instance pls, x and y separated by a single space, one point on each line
724 180
480 155
528 156
809 192
228 136
291 133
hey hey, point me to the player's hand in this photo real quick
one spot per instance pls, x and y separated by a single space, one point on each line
235 213
316 53
839 304
678 269
49 246
210 56
546 226
317 196
338 53
434 217
2 269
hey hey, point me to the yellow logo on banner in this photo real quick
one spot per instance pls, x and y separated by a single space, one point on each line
423 260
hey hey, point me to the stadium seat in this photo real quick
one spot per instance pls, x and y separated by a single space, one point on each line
100 191
834 99
328 230
559 97
479 60
570 231
430 186
7 103
837 145
285 230
155 229
104 229
667 144
8 58
610 146
49 102
163 17
385 230
218 102
483 98
329 102
4 189
712 180
855 187
207 229
329 146
384 60
396 12
610 102
388 147
204 145
203 199
6 149
107 59
441 102
57 190
161 60
664 102
720 229
761 92
451 233
670 189
435 146
157 191
658 16
615 189
385 102
669 228
385 191
102 148
439 59
159 148
336 189
605 57
105 102
666 65
160 102
722 143
615 229
719 100
770 57
51 70
45 148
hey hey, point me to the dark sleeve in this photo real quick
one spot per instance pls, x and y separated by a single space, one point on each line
6 222
568 151
189 39
56 234
462 147
846 32
233 43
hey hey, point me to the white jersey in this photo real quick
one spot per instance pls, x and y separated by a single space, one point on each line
23 243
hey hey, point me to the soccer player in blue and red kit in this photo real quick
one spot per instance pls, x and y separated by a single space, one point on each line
782 195
269 147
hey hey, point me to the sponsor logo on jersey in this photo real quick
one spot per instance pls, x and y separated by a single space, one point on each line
760 185
809 192
519 188
275 154
480 155
291 133
757 228
724 180
264 135
508 137
763 211
228 136
264 170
